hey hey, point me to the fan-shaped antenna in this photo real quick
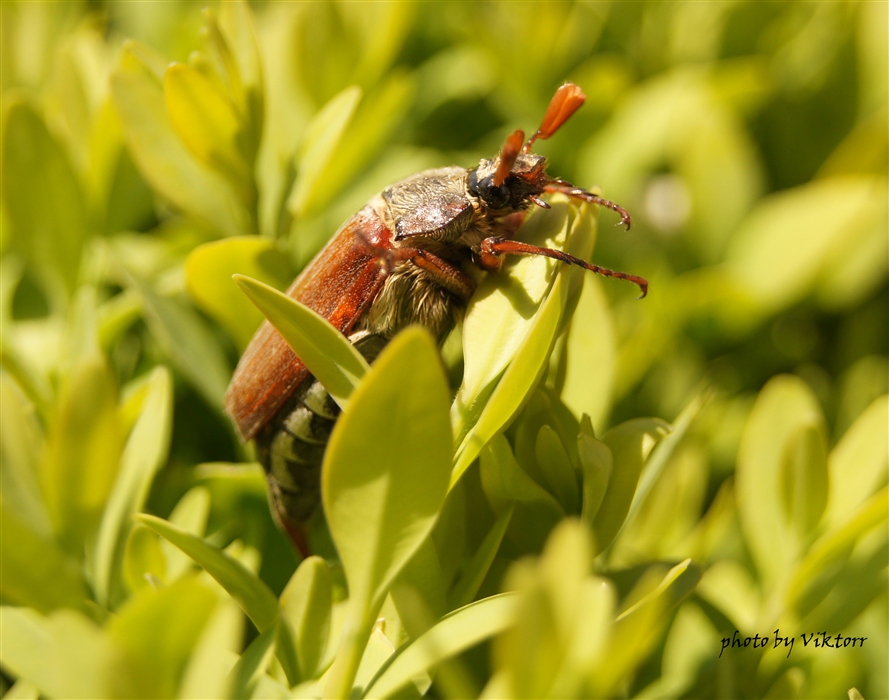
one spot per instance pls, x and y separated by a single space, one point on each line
508 155
565 102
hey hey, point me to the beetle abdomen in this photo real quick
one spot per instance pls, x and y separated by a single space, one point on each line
291 446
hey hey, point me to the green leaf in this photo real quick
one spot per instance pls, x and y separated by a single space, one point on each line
506 484
561 618
144 453
814 221
153 654
210 658
163 159
804 478
306 605
835 546
43 198
245 675
206 121
379 648
504 481
858 463
22 690
477 569
525 320
186 340
190 514
630 443
370 129
417 594
380 505
153 61
208 274
556 468
323 349
83 451
658 462
505 303
638 627
251 594
144 562
65 655
239 29
784 406
590 355
596 465
453 634
46 582
21 444
319 144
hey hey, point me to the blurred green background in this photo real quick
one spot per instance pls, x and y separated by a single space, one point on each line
749 141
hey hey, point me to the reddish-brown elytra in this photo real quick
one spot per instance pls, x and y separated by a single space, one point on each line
407 257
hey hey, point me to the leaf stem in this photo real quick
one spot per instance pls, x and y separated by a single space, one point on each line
356 634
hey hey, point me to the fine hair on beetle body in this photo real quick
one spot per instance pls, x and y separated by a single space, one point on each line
411 255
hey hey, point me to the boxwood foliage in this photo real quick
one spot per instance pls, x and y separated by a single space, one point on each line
503 518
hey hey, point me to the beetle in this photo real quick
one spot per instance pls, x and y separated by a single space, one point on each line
411 255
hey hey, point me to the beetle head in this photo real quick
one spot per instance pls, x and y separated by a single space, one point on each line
516 176
525 178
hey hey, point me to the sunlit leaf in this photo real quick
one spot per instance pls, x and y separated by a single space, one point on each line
143 454
454 633
155 654
306 605
596 464
22 443
637 628
525 332
556 468
836 545
189 514
206 121
187 340
163 159
52 580
785 405
212 655
804 477
858 462
64 655
379 505
251 594
325 351
208 274
630 443
590 355
319 144
144 562
504 481
252 665
83 451
812 222
42 197
22 690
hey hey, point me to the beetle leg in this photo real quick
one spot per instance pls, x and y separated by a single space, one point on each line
570 190
493 247
448 276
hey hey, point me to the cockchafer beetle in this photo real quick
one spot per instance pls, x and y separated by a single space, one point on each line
405 258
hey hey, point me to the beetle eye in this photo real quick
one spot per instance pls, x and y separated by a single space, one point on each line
493 197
